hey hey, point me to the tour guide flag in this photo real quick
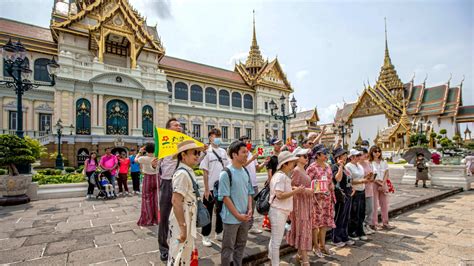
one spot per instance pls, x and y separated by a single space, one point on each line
166 142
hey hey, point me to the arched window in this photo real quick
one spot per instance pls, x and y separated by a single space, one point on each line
83 117
117 118
211 95
196 93
5 73
248 101
147 121
224 98
41 70
236 100
170 88
181 91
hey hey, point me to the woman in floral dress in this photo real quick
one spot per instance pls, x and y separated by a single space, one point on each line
323 205
300 216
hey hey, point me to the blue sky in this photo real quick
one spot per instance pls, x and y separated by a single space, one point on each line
328 49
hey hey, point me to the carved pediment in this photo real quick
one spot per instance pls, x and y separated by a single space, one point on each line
366 107
117 80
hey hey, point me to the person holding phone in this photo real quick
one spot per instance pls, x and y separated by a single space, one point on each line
369 190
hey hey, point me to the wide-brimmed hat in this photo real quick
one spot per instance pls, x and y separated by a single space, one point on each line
339 152
300 151
275 141
284 157
354 152
187 145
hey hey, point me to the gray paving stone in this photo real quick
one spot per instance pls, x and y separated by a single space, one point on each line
92 231
21 254
110 239
39 239
11 243
112 262
104 221
95 255
126 226
67 227
33 231
69 245
49 261
140 246
151 258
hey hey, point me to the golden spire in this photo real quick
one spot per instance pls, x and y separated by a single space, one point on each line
254 60
388 75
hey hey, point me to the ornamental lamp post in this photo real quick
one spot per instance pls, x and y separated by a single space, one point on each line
343 128
283 117
16 66
59 157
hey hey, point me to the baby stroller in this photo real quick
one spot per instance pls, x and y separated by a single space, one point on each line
103 183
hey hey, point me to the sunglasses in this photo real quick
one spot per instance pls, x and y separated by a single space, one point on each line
376 151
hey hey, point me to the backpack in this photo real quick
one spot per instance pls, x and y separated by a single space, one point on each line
220 203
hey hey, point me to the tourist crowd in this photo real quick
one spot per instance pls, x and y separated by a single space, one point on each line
311 191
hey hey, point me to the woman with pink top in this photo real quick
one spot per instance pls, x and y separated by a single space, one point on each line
369 191
300 217
380 168
90 166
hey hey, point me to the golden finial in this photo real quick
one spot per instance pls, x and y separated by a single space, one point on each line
450 77
254 60
424 81
388 75
462 81
413 78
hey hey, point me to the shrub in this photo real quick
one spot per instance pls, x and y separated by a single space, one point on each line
57 171
47 171
79 169
15 151
443 131
3 172
58 179
69 169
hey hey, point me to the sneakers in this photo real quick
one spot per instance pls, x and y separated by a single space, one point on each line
206 242
164 257
349 242
255 231
126 193
368 230
355 238
388 227
364 238
88 196
219 237
340 244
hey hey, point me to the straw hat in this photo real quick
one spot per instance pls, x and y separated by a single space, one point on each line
187 145
285 157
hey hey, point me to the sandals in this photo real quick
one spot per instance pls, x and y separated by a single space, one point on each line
326 252
318 253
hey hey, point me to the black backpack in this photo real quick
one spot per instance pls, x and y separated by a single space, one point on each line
215 192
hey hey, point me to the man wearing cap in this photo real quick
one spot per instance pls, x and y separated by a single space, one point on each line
252 167
237 210
168 166
271 170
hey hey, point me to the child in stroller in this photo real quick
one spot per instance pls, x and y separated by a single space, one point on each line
106 190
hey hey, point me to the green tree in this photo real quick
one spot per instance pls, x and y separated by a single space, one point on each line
16 151
443 132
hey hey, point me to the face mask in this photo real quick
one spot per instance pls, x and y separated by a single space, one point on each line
217 141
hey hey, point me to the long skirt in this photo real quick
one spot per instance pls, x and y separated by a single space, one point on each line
150 213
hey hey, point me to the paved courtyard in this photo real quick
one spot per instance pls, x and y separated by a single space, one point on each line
437 234
77 231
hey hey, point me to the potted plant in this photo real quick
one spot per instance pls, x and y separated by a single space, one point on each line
17 155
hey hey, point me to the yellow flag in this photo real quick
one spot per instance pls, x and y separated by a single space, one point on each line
166 142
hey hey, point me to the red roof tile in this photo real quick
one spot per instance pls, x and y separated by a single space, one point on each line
27 30
185 65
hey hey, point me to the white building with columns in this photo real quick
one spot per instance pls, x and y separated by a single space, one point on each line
115 83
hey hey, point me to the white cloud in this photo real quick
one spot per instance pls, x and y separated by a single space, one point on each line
439 67
301 74
327 114
241 56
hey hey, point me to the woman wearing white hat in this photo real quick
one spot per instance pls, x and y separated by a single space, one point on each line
184 210
281 202
356 171
300 217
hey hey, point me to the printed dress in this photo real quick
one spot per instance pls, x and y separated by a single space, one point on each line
301 225
323 204
181 253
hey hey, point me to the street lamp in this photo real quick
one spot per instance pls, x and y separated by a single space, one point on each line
19 73
343 128
283 117
59 158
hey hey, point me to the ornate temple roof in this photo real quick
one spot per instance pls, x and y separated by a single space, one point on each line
254 59
388 75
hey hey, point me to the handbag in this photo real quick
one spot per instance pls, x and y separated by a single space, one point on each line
262 200
203 218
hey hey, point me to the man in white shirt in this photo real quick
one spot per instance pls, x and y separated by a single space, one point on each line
253 167
212 165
